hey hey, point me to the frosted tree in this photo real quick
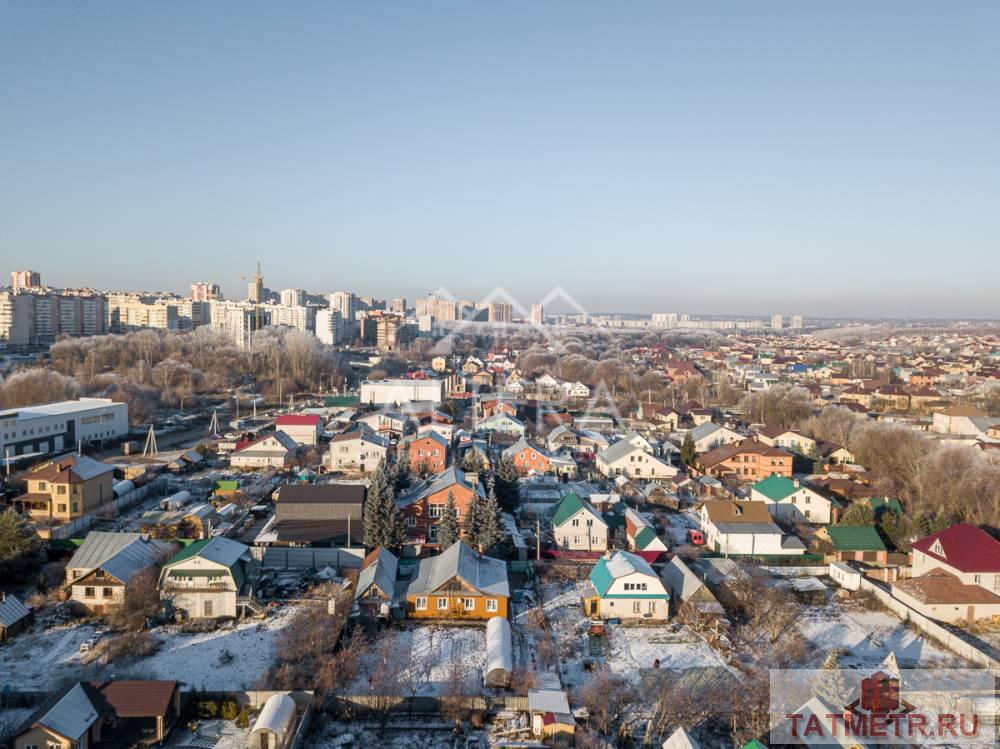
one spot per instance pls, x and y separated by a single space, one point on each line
490 528
448 528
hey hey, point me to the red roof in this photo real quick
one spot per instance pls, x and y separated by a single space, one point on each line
966 548
296 420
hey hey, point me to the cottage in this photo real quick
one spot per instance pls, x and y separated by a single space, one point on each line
749 460
274 450
105 563
15 617
458 584
787 499
502 423
66 488
304 429
426 453
375 594
642 537
578 526
711 435
690 598
423 504
746 528
359 450
860 543
789 439
624 458
210 579
626 587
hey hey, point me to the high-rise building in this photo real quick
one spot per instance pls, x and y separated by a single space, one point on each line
330 326
398 306
439 309
203 291
238 321
777 322
25 279
293 297
500 312
664 320
33 318
136 311
537 314
299 317
796 323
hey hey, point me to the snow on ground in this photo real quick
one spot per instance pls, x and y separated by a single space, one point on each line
396 735
430 652
41 659
197 658
212 734
677 528
866 636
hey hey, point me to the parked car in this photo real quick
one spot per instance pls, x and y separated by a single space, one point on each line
695 537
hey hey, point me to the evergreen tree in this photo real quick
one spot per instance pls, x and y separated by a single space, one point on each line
490 530
16 538
472 462
507 487
448 528
472 523
815 460
402 470
859 513
689 453
376 509
830 685
395 527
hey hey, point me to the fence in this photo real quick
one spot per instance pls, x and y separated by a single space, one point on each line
287 557
108 510
947 637
423 705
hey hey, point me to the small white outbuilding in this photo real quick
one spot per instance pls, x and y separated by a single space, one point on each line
273 726
499 653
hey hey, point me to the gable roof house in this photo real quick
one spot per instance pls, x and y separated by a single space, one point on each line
578 526
357 451
502 423
423 503
528 458
106 562
376 593
561 436
711 435
623 458
316 515
71 718
789 439
458 584
66 488
210 579
690 598
749 460
787 499
624 586
15 617
955 575
859 543
304 429
273 450
427 453
642 537
745 528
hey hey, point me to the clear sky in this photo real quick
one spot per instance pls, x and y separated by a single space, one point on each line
731 157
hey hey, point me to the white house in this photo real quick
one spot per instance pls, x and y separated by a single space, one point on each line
577 526
626 587
209 579
106 562
398 392
359 450
744 528
788 499
274 450
788 439
709 435
501 423
625 459
576 390
303 428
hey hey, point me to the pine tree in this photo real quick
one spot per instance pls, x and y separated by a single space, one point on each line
830 686
472 462
507 485
16 538
472 523
689 453
402 470
490 530
859 513
375 514
395 528
448 528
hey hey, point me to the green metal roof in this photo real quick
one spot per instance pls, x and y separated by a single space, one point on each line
776 488
855 538
568 506
644 537
878 504
600 577
341 400
189 551
227 485
754 744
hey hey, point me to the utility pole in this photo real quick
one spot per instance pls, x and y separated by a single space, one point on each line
538 540
150 449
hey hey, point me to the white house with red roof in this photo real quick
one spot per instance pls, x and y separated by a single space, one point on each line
303 428
955 575
273 450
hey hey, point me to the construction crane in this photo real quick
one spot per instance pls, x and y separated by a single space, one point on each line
256 295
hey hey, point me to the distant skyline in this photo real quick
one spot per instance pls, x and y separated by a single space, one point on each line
732 158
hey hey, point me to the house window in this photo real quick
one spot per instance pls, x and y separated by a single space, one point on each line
977 579
491 604
469 603
62 508
421 604
996 582
107 593
643 586
61 489
432 533
652 607
636 607
442 604
411 521
576 523
436 511
88 592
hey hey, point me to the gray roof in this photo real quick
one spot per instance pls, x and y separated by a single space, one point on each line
485 574
680 580
733 529
71 715
12 611
704 430
222 550
548 701
381 571
437 482
119 554
618 450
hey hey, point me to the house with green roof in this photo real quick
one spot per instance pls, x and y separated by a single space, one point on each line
642 536
624 586
860 543
210 579
578 526
790 500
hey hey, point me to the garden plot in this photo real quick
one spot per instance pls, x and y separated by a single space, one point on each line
427 658
866 636
43 659
394 735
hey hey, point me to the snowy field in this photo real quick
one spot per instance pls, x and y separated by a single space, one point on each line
867 636
428 655
396 735
212 734
45 659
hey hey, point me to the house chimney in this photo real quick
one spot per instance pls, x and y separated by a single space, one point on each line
796 483
472 477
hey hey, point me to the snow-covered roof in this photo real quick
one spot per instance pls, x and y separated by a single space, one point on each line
277 717
623 563
499 647
71 715
681 739
12 611
485 574
680 579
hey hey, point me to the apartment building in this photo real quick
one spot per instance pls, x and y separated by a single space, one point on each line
136 311
330 328
28 318
204 291
25 279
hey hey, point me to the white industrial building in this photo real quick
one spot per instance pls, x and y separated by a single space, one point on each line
398 392
55 427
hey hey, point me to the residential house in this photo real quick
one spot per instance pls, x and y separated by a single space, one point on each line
665 416
711 435
72 718
357 451
210 579
304 429
427 453
623 458
99 570
562 437
690 598
642 536
578 526
955 575
192 521
527 457
748 461
424 502
386 424
858 543
15 617
576 390
66 488
273 450
502 423
788 499
963 420
790 439
459 583
624 586
326 515
680 739
745 528
833 454
375 594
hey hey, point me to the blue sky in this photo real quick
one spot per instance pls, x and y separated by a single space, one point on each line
829 159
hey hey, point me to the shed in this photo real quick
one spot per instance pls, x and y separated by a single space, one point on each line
845 575
176 500
15 617
121 488
499 653
273 726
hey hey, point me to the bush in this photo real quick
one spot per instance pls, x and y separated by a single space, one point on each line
229 710
207 709
129 645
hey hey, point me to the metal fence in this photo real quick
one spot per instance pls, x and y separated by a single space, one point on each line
286 557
